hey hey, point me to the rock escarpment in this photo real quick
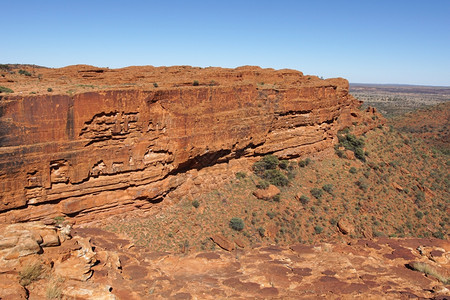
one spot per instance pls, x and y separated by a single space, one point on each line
84 151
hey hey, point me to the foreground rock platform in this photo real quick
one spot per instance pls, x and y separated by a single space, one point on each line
103 139
95 264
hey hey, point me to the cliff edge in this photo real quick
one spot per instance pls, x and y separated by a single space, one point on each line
131 136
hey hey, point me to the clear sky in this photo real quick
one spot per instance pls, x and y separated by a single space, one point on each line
366 41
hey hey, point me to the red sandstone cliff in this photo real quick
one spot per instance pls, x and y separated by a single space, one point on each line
123 140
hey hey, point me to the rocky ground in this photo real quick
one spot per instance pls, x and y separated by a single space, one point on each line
95 264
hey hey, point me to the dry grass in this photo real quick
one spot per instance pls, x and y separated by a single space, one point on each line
31 272
429 270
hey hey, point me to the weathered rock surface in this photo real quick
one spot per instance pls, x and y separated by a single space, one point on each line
345 227
223 242
20 240
10 289
74 153
373 269
77 264
364 269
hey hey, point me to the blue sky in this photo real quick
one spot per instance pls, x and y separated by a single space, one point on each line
368 41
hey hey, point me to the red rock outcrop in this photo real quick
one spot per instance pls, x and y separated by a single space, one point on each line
132 142
375 269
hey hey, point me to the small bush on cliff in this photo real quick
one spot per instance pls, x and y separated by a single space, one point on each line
351 142
304 163
262 184
59 220
275 177
328 188
261 231
317 193
318 229
195 83
241 175
5 90
304 199
266 168
268 162
237 224
23 72
283 164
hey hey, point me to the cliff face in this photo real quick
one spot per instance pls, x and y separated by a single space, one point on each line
91 151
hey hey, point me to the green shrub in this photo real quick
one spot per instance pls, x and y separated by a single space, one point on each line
351 142
268 162
318 229
271 214
420 198
304 199
49 90
261 231
59 220
362 184
195 83
275 177
237 224
304 163
317 193
419 214
5 90
328 188
283 164
155 84
439 235
360 154
195 203
352 170
241 175
262 184
276 198
23 72
339 153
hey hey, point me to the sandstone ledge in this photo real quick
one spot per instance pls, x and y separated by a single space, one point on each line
67 154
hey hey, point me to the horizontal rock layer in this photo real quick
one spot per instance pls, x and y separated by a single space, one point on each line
71 154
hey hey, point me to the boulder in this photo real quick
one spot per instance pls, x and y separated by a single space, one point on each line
397 186
268 193
345 227
223 242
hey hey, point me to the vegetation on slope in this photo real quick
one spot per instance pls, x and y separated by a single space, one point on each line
400 189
